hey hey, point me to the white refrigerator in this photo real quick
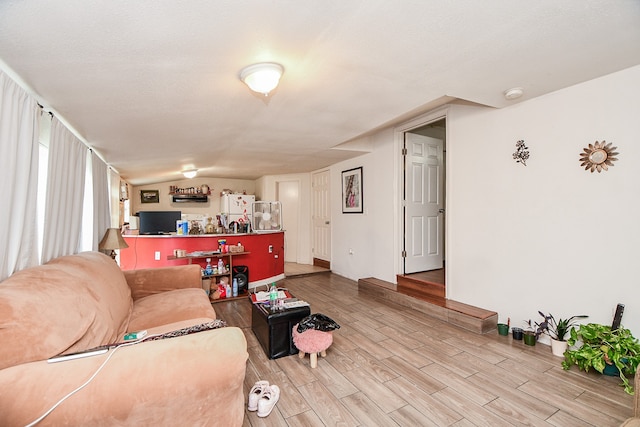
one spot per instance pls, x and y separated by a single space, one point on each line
237 207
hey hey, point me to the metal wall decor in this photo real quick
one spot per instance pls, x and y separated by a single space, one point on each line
522 153
598 156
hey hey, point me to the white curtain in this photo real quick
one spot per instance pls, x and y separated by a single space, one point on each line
19 131
65 193
115 196
101 211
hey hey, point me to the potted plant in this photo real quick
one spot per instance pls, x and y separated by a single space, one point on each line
604 350
531 332
558 330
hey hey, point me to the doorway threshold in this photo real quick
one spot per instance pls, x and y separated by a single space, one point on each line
292 269
427 285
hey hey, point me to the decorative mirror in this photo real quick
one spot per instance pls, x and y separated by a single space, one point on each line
598 156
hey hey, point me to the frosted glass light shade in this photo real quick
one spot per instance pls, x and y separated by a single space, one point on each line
263 77
190 174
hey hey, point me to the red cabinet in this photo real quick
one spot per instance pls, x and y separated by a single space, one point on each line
265 259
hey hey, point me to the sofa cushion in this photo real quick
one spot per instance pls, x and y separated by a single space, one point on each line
72 303
169 307
192 380
151 281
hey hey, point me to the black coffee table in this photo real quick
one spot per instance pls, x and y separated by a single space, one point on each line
273 328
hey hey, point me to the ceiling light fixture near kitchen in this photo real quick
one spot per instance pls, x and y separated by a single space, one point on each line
190 173
513 93
263 77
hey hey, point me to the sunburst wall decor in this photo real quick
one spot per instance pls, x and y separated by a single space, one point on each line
598 156
522 153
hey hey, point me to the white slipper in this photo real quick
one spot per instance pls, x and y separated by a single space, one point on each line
256 393
268 400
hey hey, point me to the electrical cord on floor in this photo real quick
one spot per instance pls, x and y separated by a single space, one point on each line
59 402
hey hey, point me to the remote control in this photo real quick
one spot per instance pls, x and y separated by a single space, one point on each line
295 304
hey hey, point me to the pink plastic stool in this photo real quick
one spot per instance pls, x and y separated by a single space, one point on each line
312 342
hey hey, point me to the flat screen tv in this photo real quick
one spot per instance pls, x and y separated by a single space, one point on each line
158 222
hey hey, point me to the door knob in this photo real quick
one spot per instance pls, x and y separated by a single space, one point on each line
441 210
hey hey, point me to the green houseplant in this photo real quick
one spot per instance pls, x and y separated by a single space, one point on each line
602 347
557 330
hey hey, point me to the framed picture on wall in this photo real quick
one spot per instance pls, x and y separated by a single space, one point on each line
352 190
149 196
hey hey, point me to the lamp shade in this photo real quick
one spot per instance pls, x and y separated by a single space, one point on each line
263 77
112 240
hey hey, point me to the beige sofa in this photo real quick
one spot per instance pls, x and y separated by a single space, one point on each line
78 302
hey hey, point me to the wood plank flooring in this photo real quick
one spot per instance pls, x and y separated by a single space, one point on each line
390 365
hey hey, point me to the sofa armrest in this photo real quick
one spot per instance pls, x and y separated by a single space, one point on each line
151 281
194 379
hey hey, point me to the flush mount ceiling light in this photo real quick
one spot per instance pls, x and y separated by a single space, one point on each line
263 77
513 93
190 173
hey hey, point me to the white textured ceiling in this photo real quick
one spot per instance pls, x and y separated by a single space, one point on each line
153 85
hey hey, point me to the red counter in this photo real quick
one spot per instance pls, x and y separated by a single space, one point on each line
264 266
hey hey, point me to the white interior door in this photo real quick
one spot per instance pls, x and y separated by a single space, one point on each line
288 194
424 203
321 216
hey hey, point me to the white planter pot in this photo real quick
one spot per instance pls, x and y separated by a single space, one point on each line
558 347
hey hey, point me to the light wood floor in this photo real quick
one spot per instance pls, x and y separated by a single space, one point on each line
392 366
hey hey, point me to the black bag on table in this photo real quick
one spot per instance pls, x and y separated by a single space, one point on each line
319 322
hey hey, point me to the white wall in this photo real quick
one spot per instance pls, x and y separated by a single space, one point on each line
369 235
549 236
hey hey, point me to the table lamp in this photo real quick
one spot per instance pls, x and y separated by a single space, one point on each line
112 240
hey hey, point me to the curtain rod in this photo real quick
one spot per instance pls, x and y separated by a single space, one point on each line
44 110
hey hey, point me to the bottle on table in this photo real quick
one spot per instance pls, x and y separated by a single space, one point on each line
273 297
280 303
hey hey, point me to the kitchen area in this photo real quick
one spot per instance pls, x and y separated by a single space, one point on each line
177 222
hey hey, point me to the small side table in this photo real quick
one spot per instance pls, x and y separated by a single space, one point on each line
273 328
